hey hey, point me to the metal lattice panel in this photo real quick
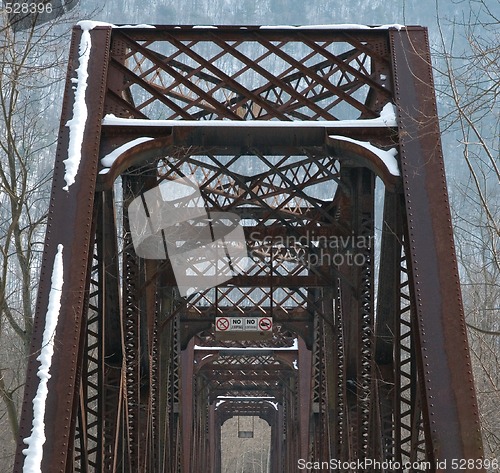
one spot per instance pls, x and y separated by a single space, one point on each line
253 75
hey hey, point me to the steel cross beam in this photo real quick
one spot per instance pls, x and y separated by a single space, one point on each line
293 130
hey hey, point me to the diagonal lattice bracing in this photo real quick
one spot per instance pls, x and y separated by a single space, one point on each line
259 77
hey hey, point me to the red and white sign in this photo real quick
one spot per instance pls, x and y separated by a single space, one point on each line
221 324
243 324
265 324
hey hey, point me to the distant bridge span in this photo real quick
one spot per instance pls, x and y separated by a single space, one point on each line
324 142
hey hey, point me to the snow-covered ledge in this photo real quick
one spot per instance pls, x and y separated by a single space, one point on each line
77 123
386 119
387 158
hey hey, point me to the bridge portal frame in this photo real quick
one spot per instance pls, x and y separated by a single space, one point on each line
416 214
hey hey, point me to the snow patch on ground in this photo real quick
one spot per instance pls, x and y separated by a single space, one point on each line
35 442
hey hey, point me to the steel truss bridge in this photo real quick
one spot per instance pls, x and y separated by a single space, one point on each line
281 126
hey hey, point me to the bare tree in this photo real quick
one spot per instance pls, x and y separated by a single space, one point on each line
469 73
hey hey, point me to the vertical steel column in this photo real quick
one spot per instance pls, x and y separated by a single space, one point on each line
186 407
167 378
279 439
330 371
213 445
357 317
340 428
217 453
451 407
69 224
388 328
305 396
133 322
150 382
112 336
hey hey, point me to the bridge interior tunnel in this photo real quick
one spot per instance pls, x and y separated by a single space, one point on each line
308 220
308 224
307 213
252 392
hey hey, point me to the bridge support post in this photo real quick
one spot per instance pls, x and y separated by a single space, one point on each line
450 402
70 232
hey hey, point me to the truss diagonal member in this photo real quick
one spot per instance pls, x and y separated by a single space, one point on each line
228 81
127 73
345 66
191 71
308 72
291 184
202 95
259 92
273 79
269 107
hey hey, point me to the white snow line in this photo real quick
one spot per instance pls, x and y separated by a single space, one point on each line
35 442
387 157
340 26
247 398
142 25
108 160
387 118
77 123
90 25
381 122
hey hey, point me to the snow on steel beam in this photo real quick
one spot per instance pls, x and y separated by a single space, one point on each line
68 224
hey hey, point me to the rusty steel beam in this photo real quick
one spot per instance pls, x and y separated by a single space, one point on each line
69 224
447 382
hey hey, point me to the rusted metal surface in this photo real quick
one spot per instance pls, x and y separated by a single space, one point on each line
69 224
447 382
359 364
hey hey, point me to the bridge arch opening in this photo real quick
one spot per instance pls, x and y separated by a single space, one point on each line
245 454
